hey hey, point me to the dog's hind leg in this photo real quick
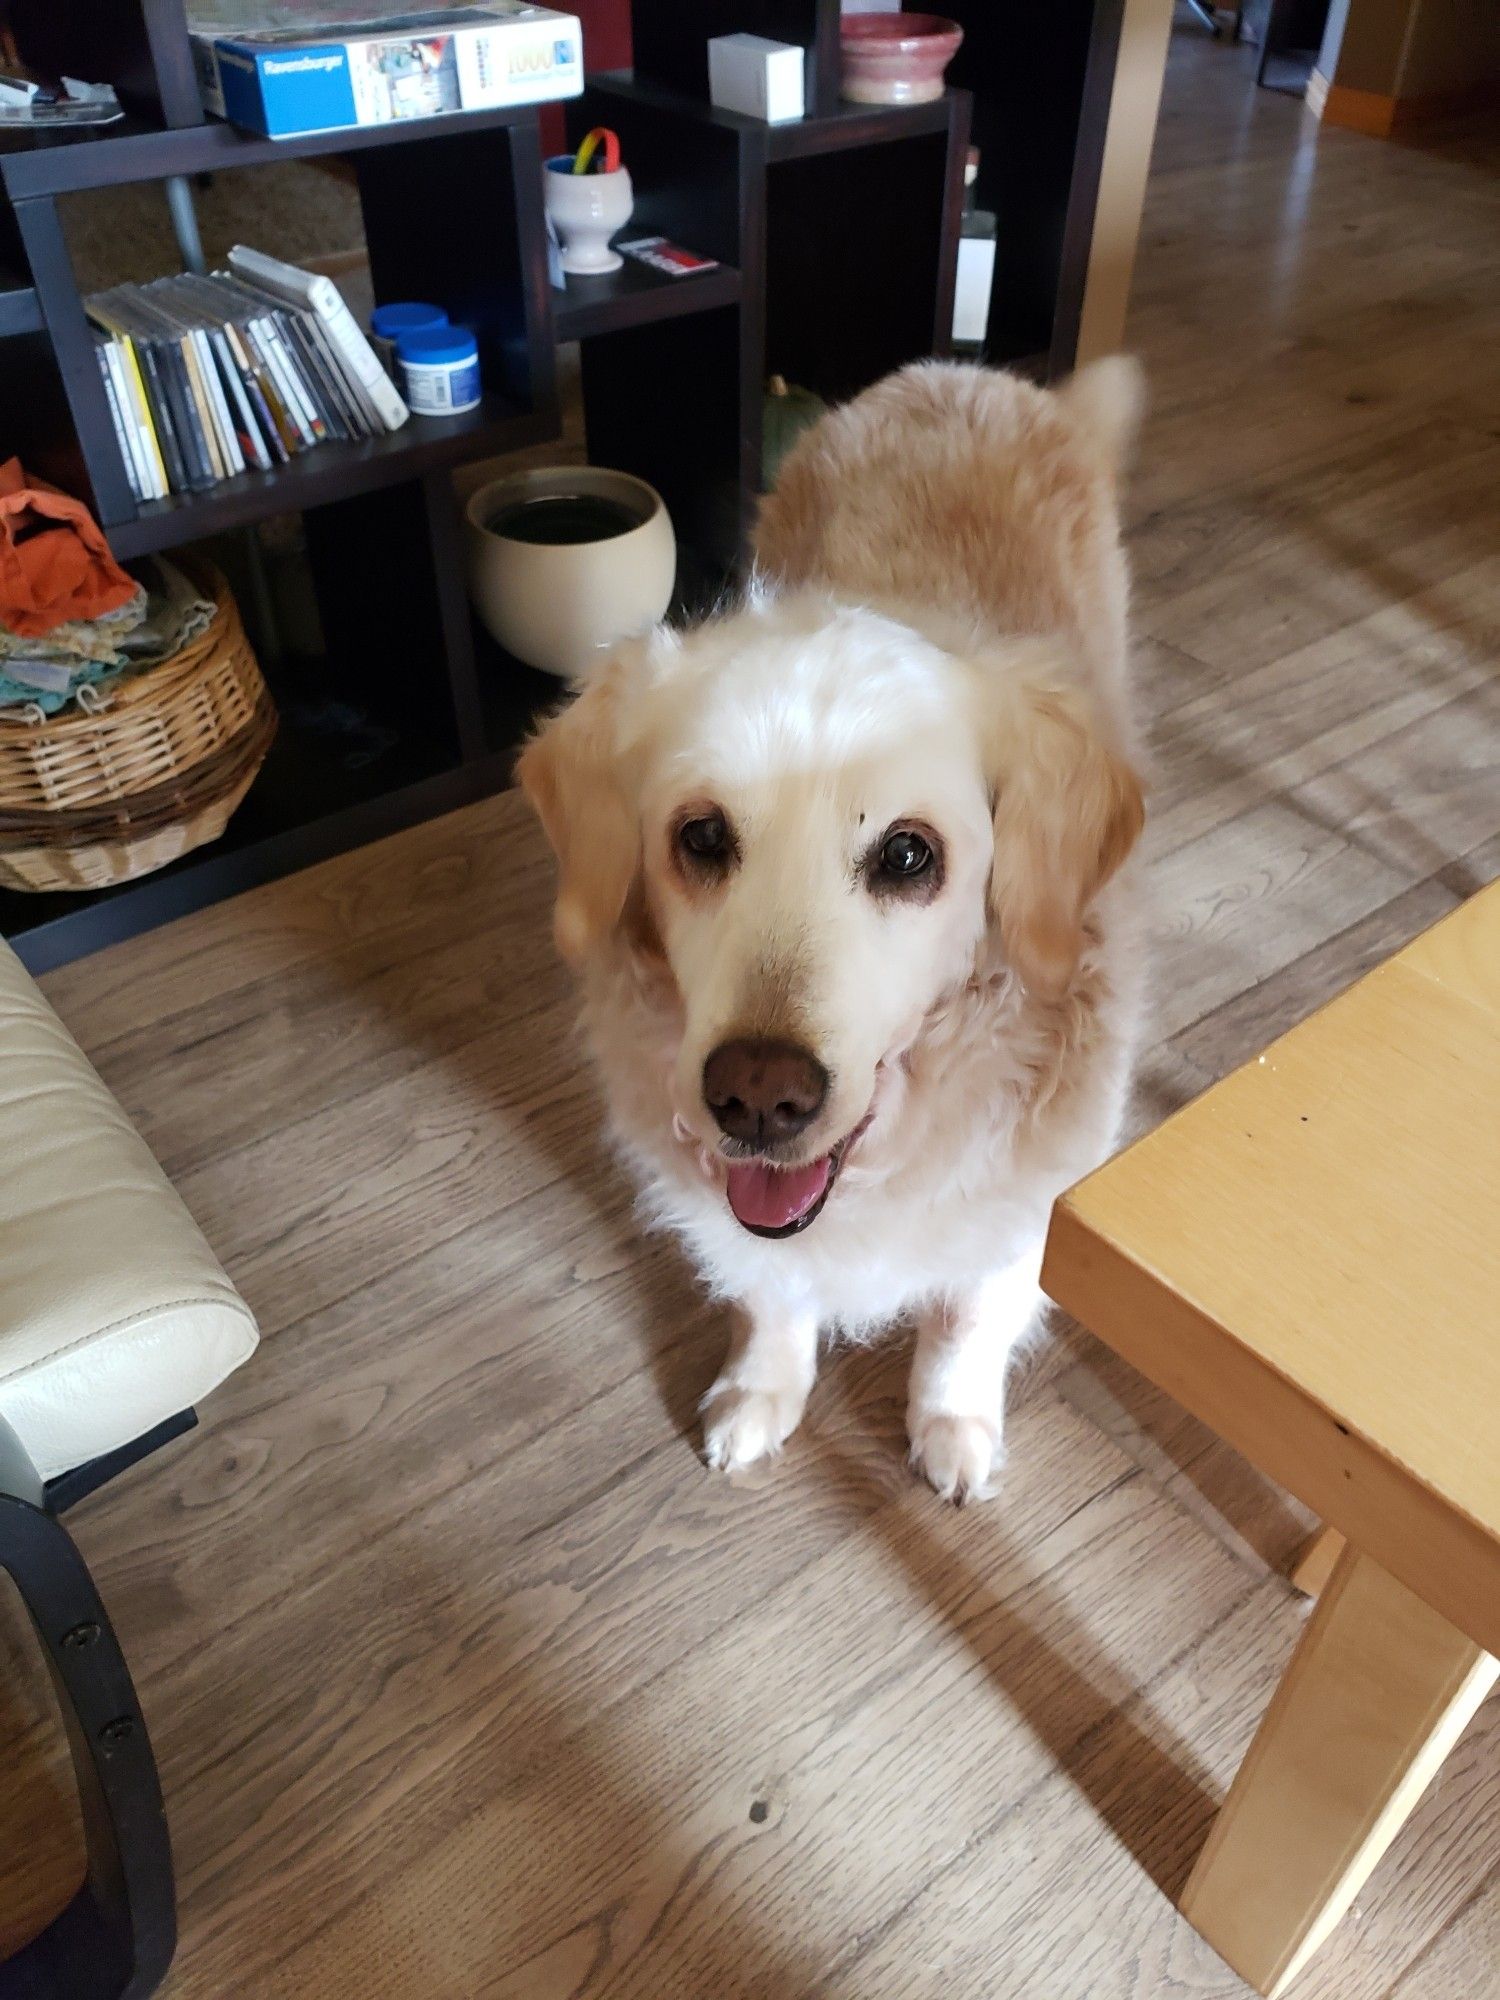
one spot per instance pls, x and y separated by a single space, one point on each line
955 1403
758 1401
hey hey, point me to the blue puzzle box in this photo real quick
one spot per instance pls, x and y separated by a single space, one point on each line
283 83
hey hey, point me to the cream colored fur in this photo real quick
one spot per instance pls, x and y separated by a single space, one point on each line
936 636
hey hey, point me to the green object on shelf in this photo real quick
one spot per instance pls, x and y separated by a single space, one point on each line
787 412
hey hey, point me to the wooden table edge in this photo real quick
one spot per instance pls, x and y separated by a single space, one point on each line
1377 1503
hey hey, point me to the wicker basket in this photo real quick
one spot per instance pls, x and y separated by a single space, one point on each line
87 799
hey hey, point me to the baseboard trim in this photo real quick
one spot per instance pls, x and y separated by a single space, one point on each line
1379 115
1368 111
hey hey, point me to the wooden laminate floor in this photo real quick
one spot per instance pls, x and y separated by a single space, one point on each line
466 1678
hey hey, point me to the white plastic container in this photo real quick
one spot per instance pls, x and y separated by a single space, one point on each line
439 370
389 322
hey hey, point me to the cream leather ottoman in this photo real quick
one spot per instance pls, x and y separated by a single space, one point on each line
115 1320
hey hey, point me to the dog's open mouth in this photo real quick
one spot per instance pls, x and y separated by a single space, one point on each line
779 1201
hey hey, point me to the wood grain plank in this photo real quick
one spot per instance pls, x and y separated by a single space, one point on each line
583 1564
1065 1912
947 1640
403 890
1462 1958
1251 897
1058 1903
312 1035
1311 556
1221 752
1228 1035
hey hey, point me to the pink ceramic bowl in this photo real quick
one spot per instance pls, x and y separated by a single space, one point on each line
896 58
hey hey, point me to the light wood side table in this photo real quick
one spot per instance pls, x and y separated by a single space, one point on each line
1308 1259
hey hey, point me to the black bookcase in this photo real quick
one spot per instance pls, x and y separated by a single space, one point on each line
836 239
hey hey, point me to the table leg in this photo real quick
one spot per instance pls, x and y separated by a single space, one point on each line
1315 1561
1374 1698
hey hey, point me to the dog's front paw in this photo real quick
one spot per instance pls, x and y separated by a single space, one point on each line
959 1457
743 1425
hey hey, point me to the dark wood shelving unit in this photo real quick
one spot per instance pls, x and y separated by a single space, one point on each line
637 295
852 125
423 444
20 308
488 267
137 149
831 130
835 240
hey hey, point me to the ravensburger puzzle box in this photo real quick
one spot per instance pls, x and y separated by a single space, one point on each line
285 82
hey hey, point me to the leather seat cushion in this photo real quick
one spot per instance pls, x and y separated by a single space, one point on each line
114 1312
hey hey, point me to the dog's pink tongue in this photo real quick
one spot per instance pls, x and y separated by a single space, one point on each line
765 1197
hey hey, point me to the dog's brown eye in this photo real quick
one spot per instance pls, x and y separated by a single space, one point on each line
706 839
904 856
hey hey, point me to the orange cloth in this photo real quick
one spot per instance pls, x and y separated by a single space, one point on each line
54 561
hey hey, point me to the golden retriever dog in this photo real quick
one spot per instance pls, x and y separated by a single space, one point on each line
841 873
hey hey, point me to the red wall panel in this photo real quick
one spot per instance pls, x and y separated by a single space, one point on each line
606 31
606 45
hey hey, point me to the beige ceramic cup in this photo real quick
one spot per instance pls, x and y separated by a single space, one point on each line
558 606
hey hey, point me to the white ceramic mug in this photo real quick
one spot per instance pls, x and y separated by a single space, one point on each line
557 605
586 210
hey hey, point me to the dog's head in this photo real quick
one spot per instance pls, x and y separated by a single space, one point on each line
815 818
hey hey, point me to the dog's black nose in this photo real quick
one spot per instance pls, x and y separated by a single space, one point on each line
763 1091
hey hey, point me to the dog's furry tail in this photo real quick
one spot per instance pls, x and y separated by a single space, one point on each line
1107 399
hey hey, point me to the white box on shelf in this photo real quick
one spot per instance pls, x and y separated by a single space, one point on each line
972 288
756 77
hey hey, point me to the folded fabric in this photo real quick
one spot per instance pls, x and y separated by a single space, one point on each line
55 564
40 677
175 612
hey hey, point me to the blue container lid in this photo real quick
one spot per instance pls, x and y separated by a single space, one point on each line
437 343
406 316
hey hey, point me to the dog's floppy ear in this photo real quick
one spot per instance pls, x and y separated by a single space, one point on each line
1068 809
573 772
